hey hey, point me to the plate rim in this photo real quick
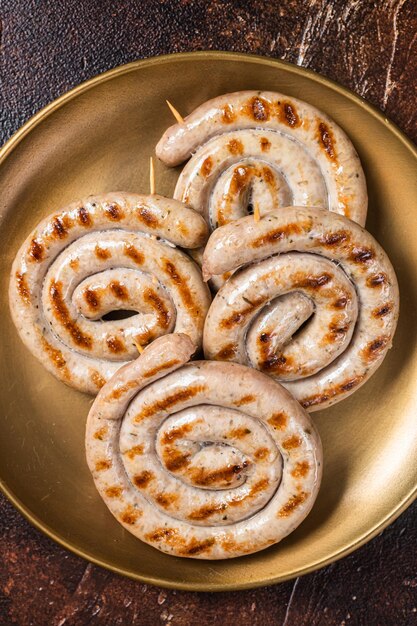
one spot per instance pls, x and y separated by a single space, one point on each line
19 135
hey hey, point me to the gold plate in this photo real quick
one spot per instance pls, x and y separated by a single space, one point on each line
98 137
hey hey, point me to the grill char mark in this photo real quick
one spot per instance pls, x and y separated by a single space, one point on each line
62 314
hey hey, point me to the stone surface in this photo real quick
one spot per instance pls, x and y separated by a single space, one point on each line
49 46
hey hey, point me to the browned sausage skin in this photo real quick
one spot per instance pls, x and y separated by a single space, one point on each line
197 468
315 304
116 251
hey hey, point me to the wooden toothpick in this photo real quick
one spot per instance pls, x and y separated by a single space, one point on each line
151 176
140 349
256 213
175 113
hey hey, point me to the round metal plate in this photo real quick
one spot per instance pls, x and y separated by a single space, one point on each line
97 138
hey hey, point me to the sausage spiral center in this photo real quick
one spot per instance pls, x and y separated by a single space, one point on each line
223 183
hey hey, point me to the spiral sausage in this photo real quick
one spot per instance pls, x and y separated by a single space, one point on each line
316 308
111 252
262 147
197 468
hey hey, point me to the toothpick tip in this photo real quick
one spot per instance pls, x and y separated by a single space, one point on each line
151 176
140 348
175 113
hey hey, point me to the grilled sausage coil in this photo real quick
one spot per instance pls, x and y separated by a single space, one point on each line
262 149
315 303
106 253
198 468
269 147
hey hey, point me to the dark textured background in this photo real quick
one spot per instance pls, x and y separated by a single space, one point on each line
49 46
